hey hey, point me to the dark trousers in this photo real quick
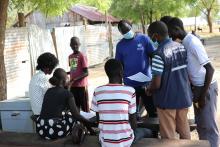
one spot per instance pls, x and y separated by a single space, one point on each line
147 101
81 97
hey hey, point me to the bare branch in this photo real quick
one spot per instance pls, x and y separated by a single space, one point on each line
202 10
211 6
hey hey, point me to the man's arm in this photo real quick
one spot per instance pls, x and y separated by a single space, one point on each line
149 47
132 111
157 71
200 53
75 111
84 74
133 121
208 79
118 55
154 85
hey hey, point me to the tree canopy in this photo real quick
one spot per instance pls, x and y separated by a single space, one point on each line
102 5
146 11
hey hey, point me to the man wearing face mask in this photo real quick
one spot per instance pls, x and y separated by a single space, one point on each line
170 84
134 51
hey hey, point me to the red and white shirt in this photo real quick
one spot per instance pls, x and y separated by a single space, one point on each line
77 63
114 103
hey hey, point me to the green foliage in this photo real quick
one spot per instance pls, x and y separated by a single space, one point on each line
16 6
150 9
124 9
52 7
102 5
48 7
205 5
20 5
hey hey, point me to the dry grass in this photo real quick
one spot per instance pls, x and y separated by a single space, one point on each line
205 31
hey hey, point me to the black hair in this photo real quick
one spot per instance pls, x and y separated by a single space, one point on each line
176 28
47 60
124 23
158 27
166 19
74 39
59 77
175 21
113 68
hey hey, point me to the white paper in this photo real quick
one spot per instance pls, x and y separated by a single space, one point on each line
87 115
139 77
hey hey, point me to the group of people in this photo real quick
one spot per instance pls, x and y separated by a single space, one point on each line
167 71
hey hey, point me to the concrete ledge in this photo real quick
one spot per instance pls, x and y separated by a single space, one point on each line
9 139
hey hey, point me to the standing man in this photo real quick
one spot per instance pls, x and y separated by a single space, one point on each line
134 52
170 84
204 87
39 83
166 19
78 75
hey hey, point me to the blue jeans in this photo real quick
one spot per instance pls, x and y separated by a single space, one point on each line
140 133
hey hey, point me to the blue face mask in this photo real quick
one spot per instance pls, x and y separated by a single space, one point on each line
155 43
129 35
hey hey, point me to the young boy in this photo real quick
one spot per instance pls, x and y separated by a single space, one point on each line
78 75
115 107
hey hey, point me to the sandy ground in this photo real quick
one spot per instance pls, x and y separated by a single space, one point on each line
97 75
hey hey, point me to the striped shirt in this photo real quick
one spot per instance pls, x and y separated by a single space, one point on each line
157 65
114 103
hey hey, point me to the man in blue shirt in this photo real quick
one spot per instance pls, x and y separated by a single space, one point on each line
134 51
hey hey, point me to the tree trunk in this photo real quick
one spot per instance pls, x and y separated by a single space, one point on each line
143 23
209 20
21 19
3 19
151 16
111 53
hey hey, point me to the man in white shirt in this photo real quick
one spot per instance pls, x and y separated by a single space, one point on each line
39 83
204 87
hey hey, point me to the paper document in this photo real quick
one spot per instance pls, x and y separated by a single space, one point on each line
139 77
87 115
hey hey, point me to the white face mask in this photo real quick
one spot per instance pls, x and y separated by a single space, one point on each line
129 35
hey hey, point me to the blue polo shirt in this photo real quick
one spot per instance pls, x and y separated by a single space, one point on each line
134 55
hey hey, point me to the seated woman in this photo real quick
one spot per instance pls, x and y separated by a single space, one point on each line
55 120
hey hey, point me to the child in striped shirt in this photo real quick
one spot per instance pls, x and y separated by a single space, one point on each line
115 107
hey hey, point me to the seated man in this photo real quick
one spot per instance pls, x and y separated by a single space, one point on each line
115 107
39 83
